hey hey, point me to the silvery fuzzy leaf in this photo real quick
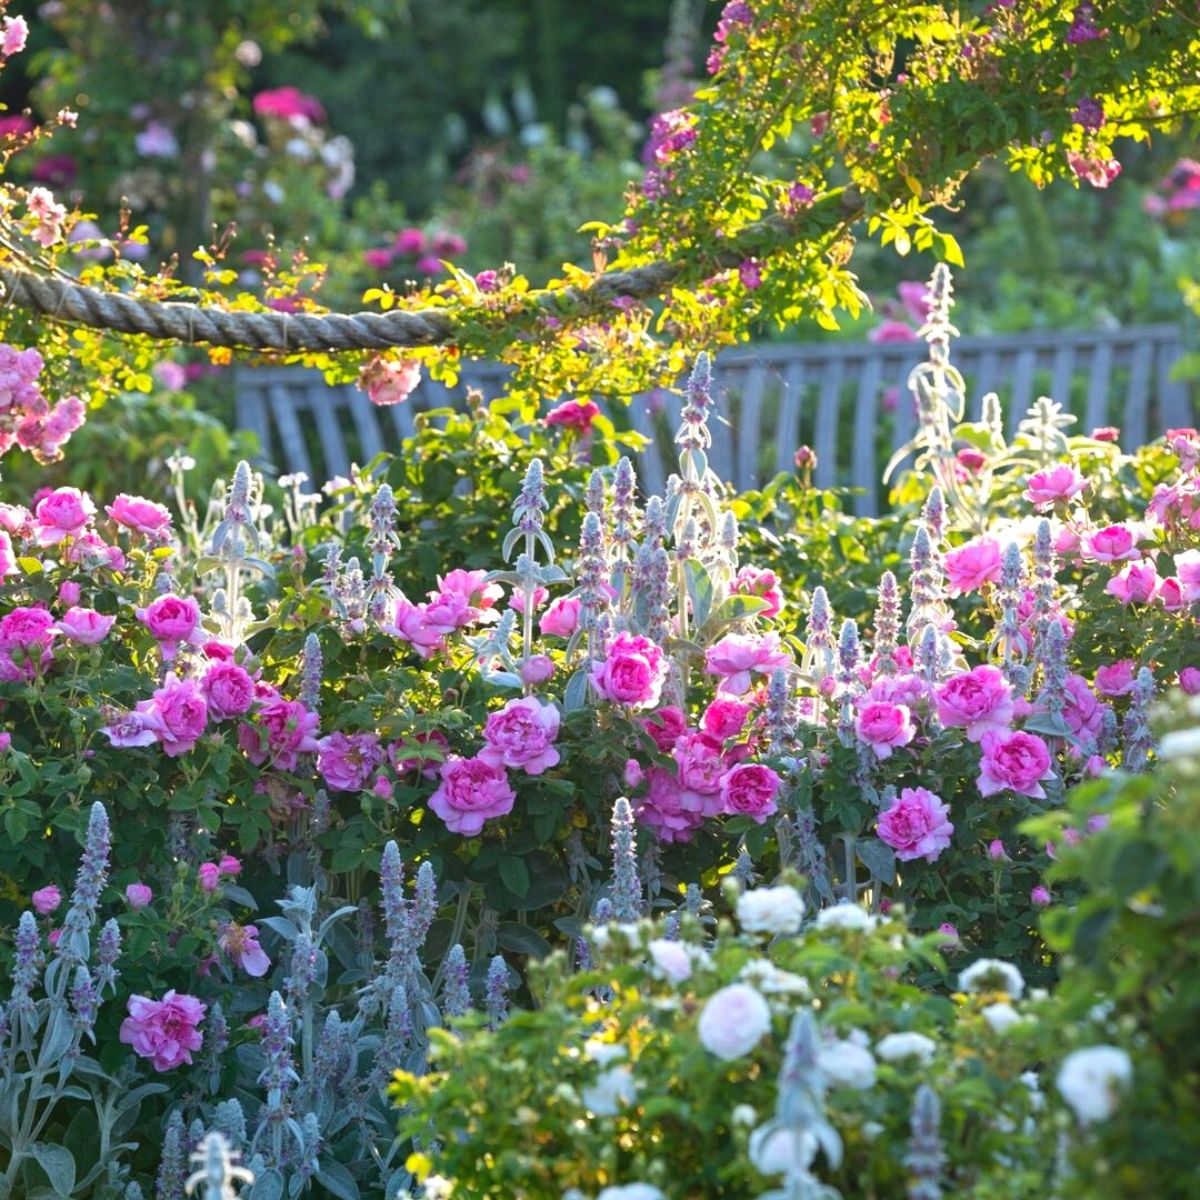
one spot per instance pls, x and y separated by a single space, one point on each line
239 895
575 693
332 919
281 926
268 1186
399 1181
57 1038
89 1068
59 1165
506 679
338 1119
879 858
553 574
512 538
546 544
134 1097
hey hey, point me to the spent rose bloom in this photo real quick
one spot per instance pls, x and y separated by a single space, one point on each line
84 625
749 790
228 689
916 825
165 1031
1113 543
288 730
138 895
347 761
139 515
1135 583
632 672
178 713
1083 713
737 656
171 620
471 792
125 729
561 619
972 565
1014 761
978 700
240 942
733 1021
46 900
521 736
1187 570
1047 488
884 727
65 513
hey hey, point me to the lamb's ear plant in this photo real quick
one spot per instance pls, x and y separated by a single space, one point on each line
66 1124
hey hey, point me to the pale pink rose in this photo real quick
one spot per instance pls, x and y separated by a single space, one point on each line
65 513
1048 488
474 587
909 690
1083 713
1189 680
1116 679
138 895
1039 897
749 790
8 557
410 625
916 825
171 620
46 900
209 876
725 718
669 808
632 672
521 736
666 726
1014 761
1113 543
165 1031
178 713
240 942
536 669
17 520
978 700
701 768
1067 542
447 611
884 727
228 689
139 515
996 851
540 596
972 565
1187 569
288 730
126 729
754 581
471 792
1170 594
632 774
346 761
1136 583
561 619
387 381
738 656
84 625
25 637
69 593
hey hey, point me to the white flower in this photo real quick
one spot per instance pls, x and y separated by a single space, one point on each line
1092 1080
614 933
733 1021
602 1052
767 977
743 1114
896 1046
871 1130
1181 743
992 975
776 1149
675 961
631 1191
613 1091
847 1064
437 1187
771 910
1001 1017
846 916
1037 1098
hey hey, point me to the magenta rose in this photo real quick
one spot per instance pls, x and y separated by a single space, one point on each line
972 565
8 557
521 736
474 587
1170 594
165 1031
288 729
884 727
1114 543
632 672
1083 713
471 792
84 625
749 790
171 620
64 513
25 637
916 825
228 689
1135 583
178 713
46 900
410 625
1189 680
725 718
138 895
666 726
1014 761
701 767
561 619
977 700
1116 679
536 669
347 761
139 515
574 414
669 808
736 657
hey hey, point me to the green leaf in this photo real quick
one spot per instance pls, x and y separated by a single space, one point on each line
700 589
522 939
879 858
1137 866
515 875
336 1178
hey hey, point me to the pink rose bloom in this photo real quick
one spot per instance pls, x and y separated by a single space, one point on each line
670 808
290 731
536 669
228 689
1187 569
389 382
573 414
909 690
1113 543
978 700
165 1031
751 581
736 656
126 729
632 774
8 557
17 520
1067 542
1115 679
749 790
521 736
474 587
139 515
46 900
347 761
892 331
970 458
1170 594
25 637
409 242
884 726
917 825
540 596
1016 762
972 565
915 296
409 625
178 713
1048 488
228 865
701 768
1189 680
171 620
632 672
471 792
240 942
84 625
447 611
138 895
1083 713
69 593
996 851
561 619
666 727
209 876
1136 583
724 718
65 513
1039 897
287 103
90 550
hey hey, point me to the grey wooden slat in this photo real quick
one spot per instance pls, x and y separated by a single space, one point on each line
829 399
402 414
366 423
1096 412
650 463
1175 409
1021 396
720 453
1064 369
251 414
791 403
865 472
1136 420
292 450
896 375
986 378
748 424
331 432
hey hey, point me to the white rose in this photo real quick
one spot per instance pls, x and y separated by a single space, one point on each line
992 975
602 1052
1001 1017
1091 1081
1182 743
675 961
767 977
743 1114
847 1064
733 1021
613 1091
631 1191
846 916
771 910
437 1187
776 1149
896 1046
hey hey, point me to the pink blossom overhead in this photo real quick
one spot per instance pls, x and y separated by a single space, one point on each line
573 414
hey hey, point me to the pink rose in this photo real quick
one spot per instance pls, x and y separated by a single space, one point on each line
536 669
8 558
724 718
970 458
749 790
84 625
1189 680
1170 594
1039 897
884 726
752 581
403 758
209 876
471 792
25 637
165 1031
1067 542
69 593
474 587
126 729
701 768
561 619
228 689
1083 713
540 595
1113 543
632 774
521 736
1187 569
138 895
410 625
139 515
240 942
1116 679
916 825
347 761
669 808
1136 583
1016 762
171 620
972 565
736 656
632 672
178 713
909 690
1048 488
666 726
978 700
289 730
65 513
46 900
573 414
228 865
